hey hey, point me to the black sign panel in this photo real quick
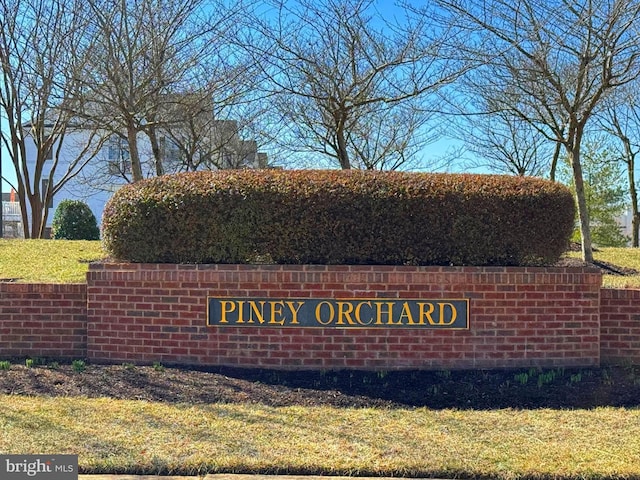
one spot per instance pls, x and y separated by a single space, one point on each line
338 313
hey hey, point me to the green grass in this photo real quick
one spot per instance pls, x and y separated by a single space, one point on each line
67 261
118 436
622 257
47 261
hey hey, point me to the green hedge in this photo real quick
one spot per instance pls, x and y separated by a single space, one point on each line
74 220
339 217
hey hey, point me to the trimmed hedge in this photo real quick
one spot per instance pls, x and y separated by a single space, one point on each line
339 217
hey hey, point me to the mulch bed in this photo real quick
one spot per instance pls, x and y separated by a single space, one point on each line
532 388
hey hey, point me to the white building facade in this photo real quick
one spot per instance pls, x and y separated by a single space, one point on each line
92 168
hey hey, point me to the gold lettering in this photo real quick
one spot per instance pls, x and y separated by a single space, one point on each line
294 311
276 310
240 311
331 313
226 306
359 317
454 313
426 314
406 313
340 313
380 312
254 309
345 309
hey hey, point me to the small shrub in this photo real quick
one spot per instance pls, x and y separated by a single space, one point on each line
5 365
74 220
38 361
78 366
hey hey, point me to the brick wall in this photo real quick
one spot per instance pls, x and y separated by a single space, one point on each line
620 326
146 313
519 316
43 320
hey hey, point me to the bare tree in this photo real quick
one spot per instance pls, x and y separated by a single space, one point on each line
503 143
147 54
553 62
42 49
621 119
348 83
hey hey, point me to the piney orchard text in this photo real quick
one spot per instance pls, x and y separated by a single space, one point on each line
338 313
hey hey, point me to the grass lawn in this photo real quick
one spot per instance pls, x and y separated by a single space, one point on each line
67 261
117 436
47 261
624 257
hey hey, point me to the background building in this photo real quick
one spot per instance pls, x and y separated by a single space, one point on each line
106 166
11 217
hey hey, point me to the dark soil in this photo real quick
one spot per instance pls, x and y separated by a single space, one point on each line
532 388
605 267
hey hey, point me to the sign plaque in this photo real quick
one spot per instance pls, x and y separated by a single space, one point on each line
338 313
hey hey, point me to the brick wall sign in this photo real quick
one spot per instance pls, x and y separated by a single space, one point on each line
518 317
357 316
338 313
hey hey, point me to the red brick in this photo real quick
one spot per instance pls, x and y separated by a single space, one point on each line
541 307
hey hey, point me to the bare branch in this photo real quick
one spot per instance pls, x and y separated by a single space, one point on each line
343 75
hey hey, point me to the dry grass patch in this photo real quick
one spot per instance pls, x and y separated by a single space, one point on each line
118 436
624 258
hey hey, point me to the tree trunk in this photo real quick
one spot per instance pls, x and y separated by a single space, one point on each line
26 232
554 161
134 155
155 148
635 219
583 213
343 154
35 203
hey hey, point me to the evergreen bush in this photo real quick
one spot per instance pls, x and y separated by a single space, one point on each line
74 220
339 217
